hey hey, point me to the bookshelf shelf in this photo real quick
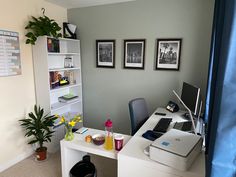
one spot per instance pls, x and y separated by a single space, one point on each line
60 105
55 53
57 89
63 69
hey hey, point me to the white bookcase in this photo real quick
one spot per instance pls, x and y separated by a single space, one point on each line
48 63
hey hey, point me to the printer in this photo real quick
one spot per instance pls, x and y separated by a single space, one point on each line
176 149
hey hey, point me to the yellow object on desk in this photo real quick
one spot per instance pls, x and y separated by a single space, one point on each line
88 139
108 143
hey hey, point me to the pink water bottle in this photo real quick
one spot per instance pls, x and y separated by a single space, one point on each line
108 135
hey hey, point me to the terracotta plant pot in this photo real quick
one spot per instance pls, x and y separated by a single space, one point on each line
41 153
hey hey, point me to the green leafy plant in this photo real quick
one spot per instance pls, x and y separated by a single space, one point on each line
38 126
41 26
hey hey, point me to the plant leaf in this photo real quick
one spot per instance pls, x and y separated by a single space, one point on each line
41 26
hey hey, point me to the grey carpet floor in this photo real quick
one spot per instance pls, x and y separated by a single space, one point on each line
52 167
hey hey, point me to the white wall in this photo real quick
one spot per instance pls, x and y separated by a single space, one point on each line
17 93
109 90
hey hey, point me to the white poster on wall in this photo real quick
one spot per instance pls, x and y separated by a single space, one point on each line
10 63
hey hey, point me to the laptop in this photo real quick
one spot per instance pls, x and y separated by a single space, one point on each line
184 126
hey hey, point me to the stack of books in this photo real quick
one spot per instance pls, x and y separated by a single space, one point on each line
68 98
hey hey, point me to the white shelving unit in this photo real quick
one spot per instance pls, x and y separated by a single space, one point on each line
45 65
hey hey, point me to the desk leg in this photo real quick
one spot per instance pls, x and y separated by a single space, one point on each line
69 157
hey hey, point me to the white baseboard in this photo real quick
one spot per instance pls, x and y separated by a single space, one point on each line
15 160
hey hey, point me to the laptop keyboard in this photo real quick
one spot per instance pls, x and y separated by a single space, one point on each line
187 126
184 126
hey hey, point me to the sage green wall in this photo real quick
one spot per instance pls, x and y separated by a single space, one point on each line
108 91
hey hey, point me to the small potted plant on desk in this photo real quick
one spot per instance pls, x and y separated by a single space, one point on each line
38 126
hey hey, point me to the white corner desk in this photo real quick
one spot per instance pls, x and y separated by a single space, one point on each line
133 162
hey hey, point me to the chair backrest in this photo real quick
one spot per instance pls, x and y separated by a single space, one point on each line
138 113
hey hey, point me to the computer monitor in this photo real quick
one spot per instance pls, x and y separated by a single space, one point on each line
191 97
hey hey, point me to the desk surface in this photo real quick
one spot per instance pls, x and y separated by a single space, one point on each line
78 143
134 148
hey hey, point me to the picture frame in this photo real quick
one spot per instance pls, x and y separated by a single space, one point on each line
68 62
105 53
134 53
168 52
69 30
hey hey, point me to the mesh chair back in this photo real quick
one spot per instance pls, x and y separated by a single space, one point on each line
138 114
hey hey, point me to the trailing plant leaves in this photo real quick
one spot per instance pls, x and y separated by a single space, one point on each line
29 34
28 41
41 26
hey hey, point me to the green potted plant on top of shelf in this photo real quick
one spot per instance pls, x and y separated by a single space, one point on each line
40 27
38 126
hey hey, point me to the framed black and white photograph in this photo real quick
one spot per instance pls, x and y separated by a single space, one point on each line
134 53
168 54
105 53
68 62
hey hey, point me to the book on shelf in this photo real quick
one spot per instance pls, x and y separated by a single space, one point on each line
61 78
67 98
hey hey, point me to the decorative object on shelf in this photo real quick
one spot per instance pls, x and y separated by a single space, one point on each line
53 45
70 76
69 30
168 54
134 53
105 53
68 62
69 125
64 81
38 126
41 26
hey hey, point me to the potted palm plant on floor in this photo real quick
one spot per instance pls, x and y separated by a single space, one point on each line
38 127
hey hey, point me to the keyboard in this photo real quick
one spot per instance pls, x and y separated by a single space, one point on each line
162 125
184 126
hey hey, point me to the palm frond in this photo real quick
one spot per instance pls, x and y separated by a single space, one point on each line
37 125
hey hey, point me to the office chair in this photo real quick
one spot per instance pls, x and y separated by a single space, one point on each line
138 113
